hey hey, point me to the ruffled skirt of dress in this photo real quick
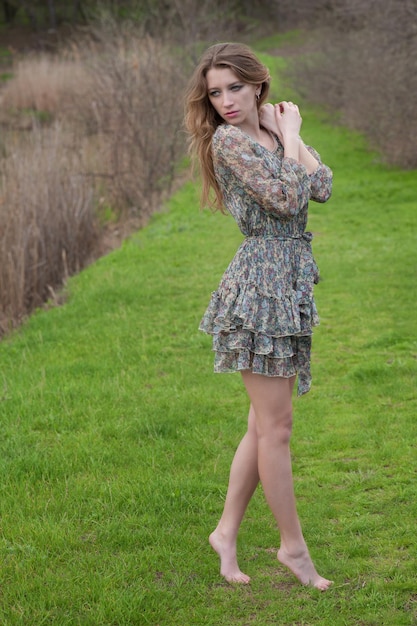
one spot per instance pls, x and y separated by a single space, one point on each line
262 314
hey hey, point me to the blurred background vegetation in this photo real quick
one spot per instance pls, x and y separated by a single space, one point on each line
91 111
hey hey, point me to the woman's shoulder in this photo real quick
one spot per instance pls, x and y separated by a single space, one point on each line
226 131
229 137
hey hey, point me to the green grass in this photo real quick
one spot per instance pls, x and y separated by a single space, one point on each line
116 438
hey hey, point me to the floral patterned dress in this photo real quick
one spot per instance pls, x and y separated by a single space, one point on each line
262 314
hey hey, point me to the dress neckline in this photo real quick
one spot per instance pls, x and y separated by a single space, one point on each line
270 133
275 140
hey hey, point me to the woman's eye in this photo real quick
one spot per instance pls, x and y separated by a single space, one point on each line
213 94
236 87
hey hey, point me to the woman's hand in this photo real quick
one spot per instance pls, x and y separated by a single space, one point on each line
283 119
267 118
288 120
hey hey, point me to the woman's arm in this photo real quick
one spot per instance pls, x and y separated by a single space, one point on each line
242 170
284 120
307 159
272 118
321 179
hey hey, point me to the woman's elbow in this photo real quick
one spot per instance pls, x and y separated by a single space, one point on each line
321 184
322 194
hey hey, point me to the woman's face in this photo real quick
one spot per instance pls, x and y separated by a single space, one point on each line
233 99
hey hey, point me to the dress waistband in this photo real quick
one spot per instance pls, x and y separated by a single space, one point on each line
307 236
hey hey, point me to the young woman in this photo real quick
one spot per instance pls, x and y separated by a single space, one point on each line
261 316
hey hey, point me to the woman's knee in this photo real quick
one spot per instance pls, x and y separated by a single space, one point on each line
276 427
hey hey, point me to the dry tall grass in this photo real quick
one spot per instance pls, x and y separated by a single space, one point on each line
112 139
43 83
48 223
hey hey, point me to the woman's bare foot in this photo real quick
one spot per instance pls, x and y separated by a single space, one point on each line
228 561
302 567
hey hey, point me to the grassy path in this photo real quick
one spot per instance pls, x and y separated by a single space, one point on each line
116 438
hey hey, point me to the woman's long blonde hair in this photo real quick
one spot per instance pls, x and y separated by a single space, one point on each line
201 119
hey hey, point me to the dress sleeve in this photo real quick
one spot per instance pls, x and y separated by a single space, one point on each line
321 180
280 191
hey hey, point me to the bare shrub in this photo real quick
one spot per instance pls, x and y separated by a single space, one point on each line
187 22
341 15
48 228
133 108
367 72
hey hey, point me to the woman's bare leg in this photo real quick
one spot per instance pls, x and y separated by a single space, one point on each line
243 480
271 399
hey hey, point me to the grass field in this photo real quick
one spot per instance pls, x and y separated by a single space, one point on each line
116 437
